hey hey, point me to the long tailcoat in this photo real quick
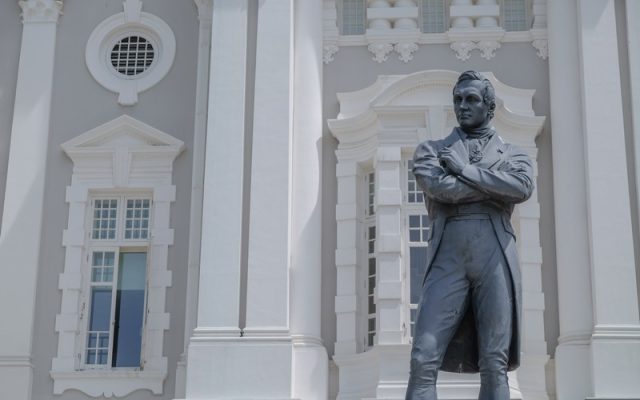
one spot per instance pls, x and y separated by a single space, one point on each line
502 178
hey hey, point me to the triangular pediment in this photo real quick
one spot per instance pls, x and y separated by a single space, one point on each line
124 131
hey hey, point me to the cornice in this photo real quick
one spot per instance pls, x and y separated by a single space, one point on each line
40 10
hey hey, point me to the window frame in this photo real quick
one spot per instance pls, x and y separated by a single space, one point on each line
118 245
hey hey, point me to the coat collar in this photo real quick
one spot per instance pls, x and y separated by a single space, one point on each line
492 152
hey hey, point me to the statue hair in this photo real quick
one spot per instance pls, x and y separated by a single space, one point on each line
488 93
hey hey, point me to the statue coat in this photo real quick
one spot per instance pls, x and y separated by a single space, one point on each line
502 178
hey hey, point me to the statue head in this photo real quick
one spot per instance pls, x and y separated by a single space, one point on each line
474 100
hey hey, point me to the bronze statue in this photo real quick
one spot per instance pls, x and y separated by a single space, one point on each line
469 312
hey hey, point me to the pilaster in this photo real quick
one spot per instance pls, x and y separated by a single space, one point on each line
220 244
615 339
310 359
573 376
24 194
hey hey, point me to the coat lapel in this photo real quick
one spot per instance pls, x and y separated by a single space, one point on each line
454 142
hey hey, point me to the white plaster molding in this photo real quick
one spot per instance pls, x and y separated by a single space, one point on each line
542 47
488 48
463 49
131 21
396 112
40 10
380 51
405 50
329 50
384 16
98 156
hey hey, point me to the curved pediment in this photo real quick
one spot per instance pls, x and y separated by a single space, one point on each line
422 101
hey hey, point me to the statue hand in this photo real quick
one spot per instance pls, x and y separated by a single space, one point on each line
452 160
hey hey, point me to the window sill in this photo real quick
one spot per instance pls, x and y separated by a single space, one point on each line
108 383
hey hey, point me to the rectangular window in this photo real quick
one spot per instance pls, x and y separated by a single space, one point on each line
433 15
418 230
514 15
116 310
137 219
353 17
414 193
371 285
117 281
371 193
104 219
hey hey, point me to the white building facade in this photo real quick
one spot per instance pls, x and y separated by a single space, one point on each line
212 199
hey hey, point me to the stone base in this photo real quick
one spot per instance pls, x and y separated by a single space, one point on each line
16 376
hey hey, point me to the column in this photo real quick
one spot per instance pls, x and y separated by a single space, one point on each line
569 184
218 313
310 359
615 341
24 195
267 332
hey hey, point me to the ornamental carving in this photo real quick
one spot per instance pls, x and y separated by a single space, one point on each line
463 49
405 50
488 48
380 51
542 47
40 10
328 51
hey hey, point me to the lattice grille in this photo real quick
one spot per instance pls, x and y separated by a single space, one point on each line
132 55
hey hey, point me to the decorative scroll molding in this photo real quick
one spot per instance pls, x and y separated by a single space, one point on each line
488 48
380 51
542 45
40 10
329 50
463 49
405 50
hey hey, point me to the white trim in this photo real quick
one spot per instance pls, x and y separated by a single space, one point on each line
131 21
376 125
149 156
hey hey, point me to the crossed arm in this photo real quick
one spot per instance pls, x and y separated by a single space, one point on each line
458 182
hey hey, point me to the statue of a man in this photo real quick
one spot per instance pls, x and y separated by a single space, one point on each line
469 310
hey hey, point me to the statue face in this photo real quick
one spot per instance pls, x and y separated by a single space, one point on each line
469 106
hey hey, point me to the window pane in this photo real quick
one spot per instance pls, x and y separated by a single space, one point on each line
100 309
514 14
104 219
129 311
418 265
353 17
137 219
433 16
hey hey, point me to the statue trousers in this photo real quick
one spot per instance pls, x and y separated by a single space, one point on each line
469 270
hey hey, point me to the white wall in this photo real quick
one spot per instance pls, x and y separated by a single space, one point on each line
79 104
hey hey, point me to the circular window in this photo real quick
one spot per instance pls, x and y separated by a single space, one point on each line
132 55
130 52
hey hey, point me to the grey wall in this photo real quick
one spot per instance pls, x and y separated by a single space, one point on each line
10 27
515 64
80 104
